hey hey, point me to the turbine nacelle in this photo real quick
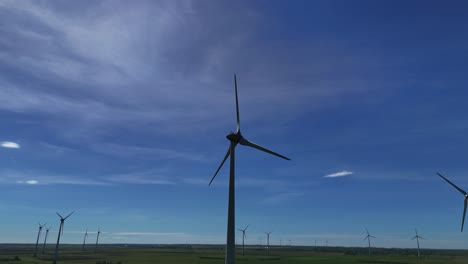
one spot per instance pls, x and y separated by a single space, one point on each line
234 137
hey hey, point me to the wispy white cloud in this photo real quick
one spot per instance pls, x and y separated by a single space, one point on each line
339 174
147 177
32 182
125 151
9 144
40 178
281 198
146 234
328 236
113 64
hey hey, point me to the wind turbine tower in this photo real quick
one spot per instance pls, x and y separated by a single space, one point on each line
462 192
368 237
417 237
235 138
268 241
243 237
97 238
37 240
85 236
60 233
45 239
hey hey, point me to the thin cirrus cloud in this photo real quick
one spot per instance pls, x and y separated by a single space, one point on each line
117 52
31 182
339 174
9 144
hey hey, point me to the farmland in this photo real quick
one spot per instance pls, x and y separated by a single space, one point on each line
211 254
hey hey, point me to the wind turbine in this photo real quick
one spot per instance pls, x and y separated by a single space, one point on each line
464 193
235 138
417 241
268 241
243 237
97 238
85 236
38 235
368 237
45 239
60 233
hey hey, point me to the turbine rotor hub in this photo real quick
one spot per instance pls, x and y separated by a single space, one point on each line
234 137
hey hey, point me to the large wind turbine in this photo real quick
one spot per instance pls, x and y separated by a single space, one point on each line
45 239
38 235
417 241
368 237
84 240
464 193
97 238
235 138
268 241
243 237
62 222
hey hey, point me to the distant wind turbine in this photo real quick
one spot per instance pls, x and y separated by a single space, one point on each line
45 239
97 238
235 138
417 237
243 237
85 236
368 237
60 233
38 235
268 241
464 193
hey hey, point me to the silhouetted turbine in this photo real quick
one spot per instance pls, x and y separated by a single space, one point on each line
97 238
243 237
38 235
84 240
466 198
268 242
417 237
235 138
60 233
45 239
368 237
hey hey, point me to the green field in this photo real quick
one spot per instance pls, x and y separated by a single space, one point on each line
179 254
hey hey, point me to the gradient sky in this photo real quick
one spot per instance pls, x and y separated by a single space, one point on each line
119 110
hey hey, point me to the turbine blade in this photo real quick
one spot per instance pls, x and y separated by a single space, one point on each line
240 230
372 236
61 217
246 227
245 142
69 215
456 187
237 104
221 165
414 237
420 237
367 231
245 236
464 213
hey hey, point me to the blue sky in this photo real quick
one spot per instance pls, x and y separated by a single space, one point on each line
119 110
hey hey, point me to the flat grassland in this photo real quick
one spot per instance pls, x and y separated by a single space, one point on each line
214 254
